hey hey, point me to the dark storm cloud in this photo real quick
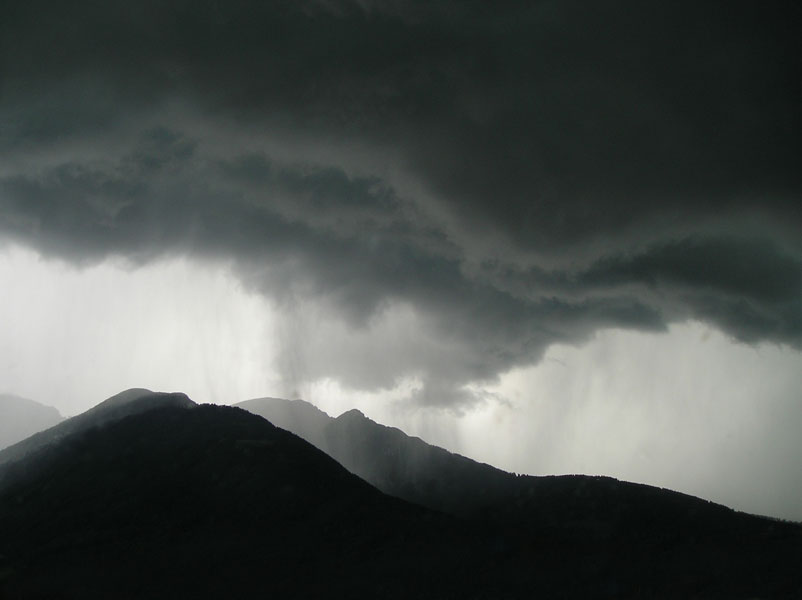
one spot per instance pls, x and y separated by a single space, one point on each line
519 173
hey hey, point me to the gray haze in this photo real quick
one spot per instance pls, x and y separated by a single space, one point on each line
428 196
20 418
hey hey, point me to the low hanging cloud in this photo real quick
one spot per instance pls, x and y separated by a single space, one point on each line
452 186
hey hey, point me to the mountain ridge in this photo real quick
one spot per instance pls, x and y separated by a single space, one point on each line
409 468
118 406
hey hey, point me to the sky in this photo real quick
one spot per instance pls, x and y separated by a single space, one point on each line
554 236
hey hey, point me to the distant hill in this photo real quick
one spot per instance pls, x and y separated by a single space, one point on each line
20 418
301 418
121 405
409 468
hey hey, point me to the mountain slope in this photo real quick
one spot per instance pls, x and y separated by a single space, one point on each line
120 405
20 418
409 468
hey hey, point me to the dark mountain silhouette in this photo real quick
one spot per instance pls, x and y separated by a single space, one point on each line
207 501
21 418
120 405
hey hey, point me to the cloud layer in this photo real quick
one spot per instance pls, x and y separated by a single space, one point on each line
458 184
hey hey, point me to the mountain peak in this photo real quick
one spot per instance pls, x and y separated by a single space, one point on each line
144 397
298 416
126 396
130 402
353 414
281 404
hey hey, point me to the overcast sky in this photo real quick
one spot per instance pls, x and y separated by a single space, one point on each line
561 236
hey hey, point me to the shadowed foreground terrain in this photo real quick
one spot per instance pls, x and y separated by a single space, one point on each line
206 501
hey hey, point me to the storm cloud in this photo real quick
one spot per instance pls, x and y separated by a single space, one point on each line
463 184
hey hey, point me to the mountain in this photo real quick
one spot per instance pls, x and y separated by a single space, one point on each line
216 502
178 500
20 418
121 405
386 457
579 505
301 418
